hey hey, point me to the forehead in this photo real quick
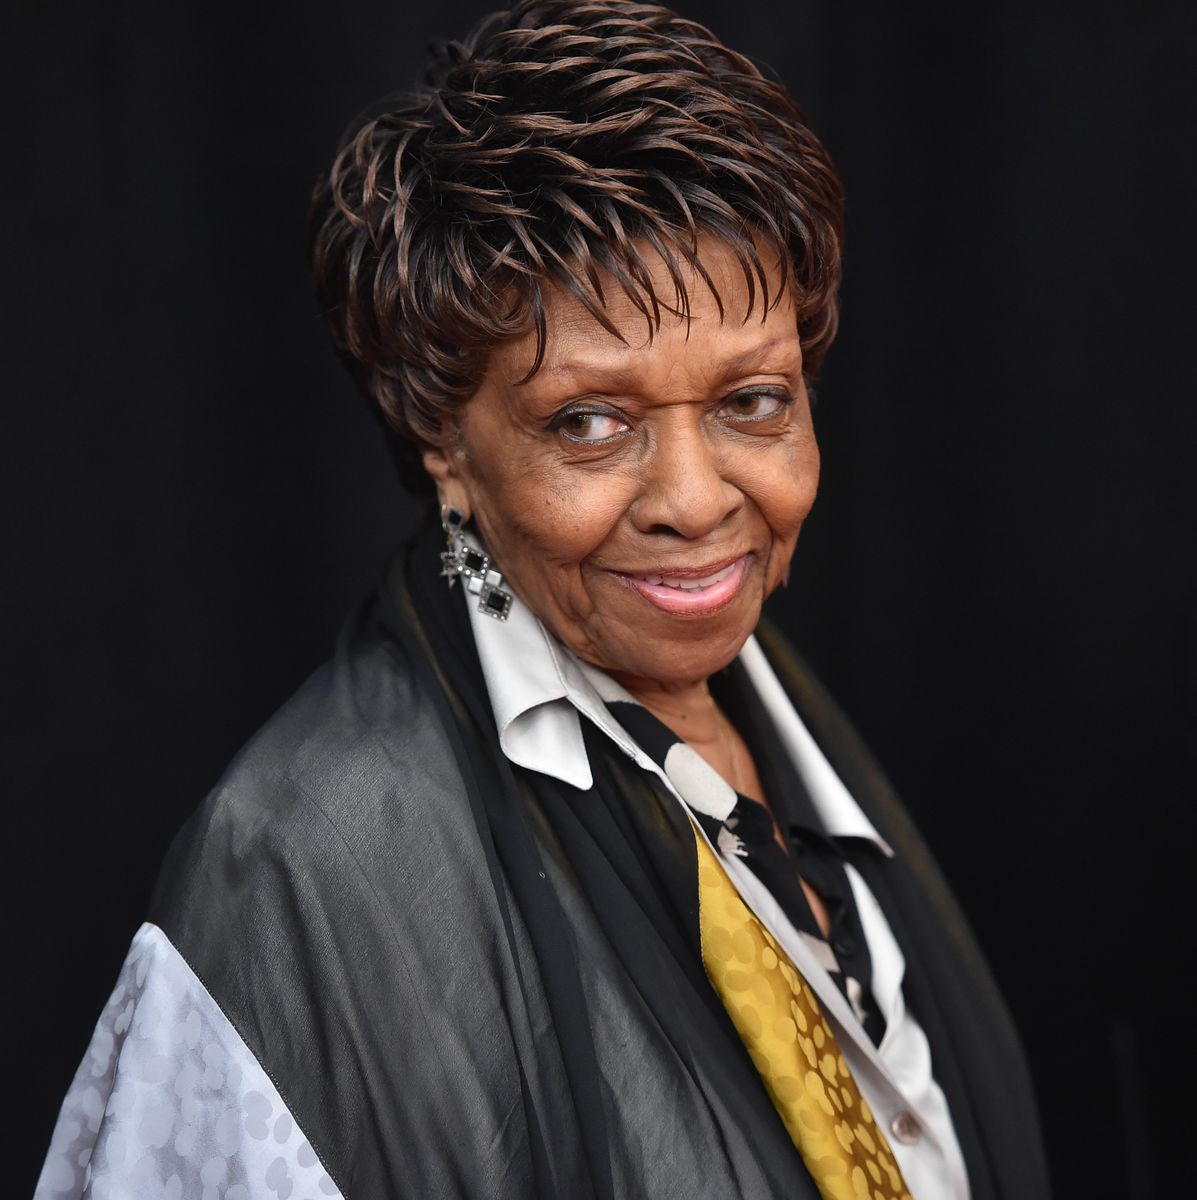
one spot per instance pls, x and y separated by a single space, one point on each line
726 318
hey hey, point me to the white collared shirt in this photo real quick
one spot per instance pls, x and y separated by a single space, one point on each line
540 691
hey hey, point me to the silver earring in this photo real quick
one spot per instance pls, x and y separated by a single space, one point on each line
472 567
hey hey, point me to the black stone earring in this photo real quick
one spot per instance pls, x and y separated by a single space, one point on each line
472 567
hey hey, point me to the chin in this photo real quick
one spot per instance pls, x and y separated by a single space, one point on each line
679 664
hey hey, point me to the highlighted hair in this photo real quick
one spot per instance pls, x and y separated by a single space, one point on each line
561 141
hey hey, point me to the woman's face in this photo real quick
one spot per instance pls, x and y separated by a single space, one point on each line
643 499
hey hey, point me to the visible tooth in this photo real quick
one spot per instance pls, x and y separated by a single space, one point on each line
687 584
718 577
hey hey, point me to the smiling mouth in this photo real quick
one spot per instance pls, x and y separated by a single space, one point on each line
690 593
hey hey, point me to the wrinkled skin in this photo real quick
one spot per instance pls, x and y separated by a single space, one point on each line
683 450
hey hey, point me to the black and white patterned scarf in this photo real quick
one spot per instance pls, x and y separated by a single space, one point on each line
748 832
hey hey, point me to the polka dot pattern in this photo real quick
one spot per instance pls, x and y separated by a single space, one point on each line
170 1102
792 1046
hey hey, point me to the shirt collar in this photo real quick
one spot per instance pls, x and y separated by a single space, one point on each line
532 698
839 812
539 690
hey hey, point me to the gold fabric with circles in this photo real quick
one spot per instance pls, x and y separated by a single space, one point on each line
780 1021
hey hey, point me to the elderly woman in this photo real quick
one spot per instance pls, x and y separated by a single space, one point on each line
564 878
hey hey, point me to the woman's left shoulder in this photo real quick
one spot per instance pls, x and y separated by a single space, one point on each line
348 790
338 849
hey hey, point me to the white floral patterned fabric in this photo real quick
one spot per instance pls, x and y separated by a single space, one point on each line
169 1102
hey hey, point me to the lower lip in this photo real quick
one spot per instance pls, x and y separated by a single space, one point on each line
700 603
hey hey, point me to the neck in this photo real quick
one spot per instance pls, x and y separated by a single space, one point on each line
691 712
688 709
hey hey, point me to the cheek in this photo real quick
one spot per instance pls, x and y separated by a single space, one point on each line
542 525
784 493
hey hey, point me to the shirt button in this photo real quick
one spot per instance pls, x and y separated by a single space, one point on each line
906 1129
844 947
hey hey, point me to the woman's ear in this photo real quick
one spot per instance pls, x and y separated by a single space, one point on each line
442 461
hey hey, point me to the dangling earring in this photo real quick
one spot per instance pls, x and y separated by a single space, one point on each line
478 577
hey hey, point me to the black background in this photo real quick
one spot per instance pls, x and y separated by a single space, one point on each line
997 581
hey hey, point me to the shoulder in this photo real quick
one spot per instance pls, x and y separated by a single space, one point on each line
838 739
330 828
858 771
357 753
361 723
314 891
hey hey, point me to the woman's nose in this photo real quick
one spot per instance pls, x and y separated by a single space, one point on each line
685 491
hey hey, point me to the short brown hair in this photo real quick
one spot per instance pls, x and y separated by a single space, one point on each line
561 140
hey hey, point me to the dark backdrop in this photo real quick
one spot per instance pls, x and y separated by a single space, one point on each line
998 580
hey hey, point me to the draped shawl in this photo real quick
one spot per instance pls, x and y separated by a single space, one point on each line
467 979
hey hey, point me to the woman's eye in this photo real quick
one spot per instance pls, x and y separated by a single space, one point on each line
588 426
757 405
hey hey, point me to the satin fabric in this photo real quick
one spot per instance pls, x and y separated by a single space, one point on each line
467 979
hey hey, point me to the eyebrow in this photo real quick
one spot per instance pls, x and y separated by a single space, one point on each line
626 375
